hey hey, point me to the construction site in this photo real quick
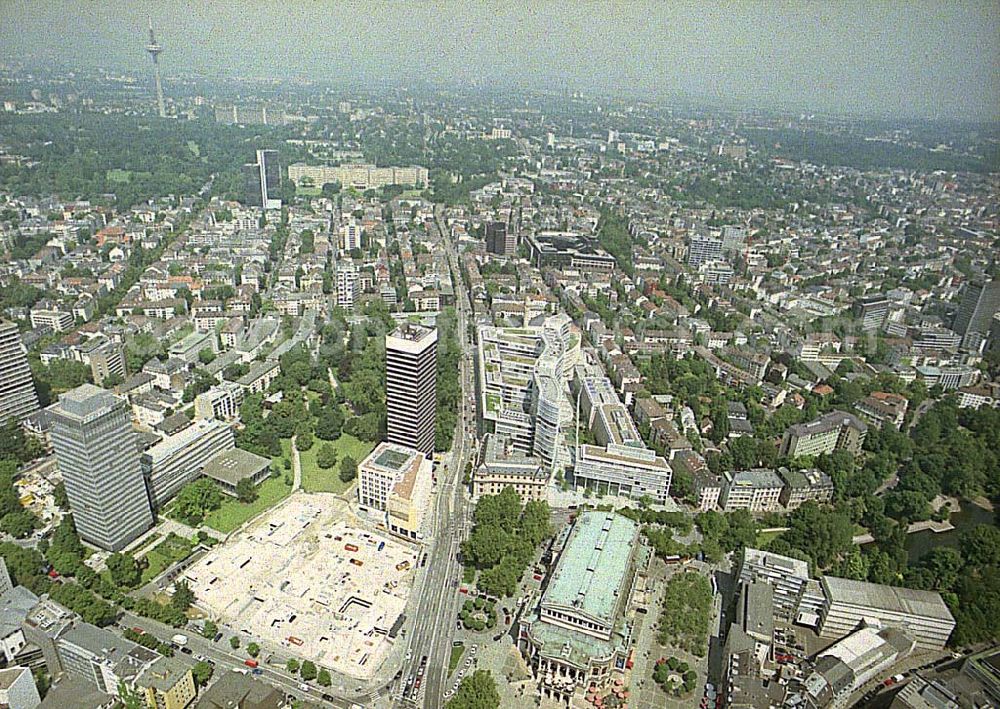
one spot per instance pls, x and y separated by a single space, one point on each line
310 579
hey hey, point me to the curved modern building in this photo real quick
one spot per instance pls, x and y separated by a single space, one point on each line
524 374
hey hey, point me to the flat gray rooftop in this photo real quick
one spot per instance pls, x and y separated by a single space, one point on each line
234 465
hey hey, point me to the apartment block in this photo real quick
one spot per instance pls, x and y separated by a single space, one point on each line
756 490
836 430
18 399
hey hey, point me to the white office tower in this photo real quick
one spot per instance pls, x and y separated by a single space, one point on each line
98 457
350 235
411 387
17 392
347 284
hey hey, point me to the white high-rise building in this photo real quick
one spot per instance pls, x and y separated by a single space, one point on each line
350 236
18 399
98 457
703 249
411 387
347 284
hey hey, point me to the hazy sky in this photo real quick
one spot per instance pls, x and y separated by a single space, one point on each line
939 58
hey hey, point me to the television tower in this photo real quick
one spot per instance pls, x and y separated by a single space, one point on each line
154 50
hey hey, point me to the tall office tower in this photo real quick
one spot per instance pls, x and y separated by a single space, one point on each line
96 449
253 196
18 399
270 177
263 180
980 302
872 312
499 240
411 386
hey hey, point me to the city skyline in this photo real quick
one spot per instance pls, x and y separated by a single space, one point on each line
851 58
437 355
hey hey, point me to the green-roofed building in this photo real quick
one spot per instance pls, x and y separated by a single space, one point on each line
580 633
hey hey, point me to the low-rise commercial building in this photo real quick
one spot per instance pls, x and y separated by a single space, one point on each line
851 662
881 408
189 348
396 480
229 467
15 606
56 320
631 470
180 458
101 658
923 615
787 576
949 377
360 176
260 376
17 689
503 466
233 689
803 485
167 683
221 402
972 681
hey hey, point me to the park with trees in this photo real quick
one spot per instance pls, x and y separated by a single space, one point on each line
503 541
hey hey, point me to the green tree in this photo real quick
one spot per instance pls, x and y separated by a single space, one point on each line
19 524
292 665
980 546
308 670
234 643
348 469
183 597
206 356
246 491
197 499
323 679
326 456
124 570
210 630
303 441
253 649
60 496
329 423
202 672
477 691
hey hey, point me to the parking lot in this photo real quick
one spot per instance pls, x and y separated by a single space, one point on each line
308 580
